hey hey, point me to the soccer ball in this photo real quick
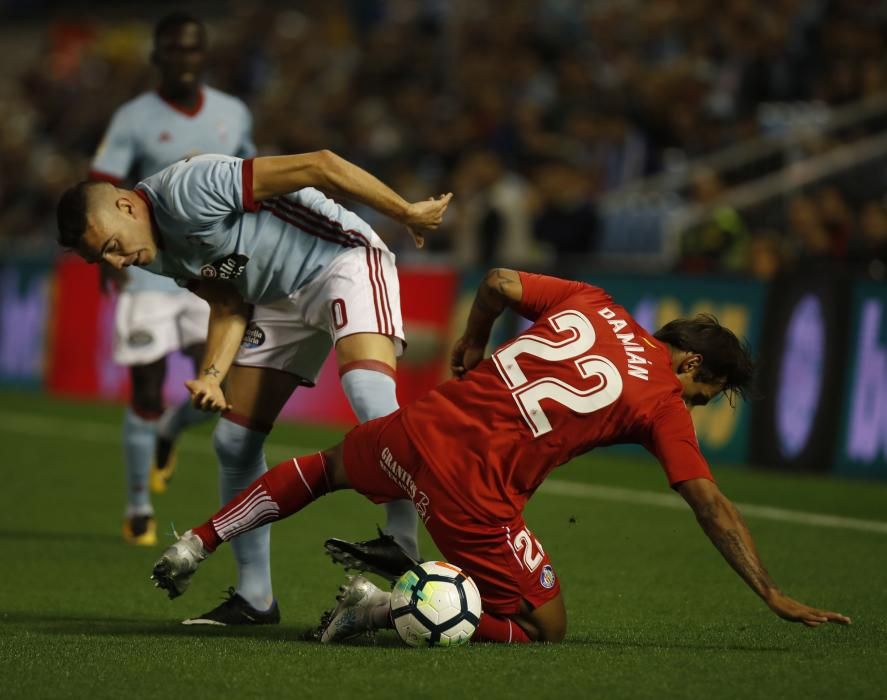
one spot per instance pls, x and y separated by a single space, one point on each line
435 604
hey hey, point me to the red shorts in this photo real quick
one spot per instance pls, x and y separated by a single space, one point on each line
503 557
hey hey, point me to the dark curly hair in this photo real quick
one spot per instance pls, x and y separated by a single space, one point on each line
724 356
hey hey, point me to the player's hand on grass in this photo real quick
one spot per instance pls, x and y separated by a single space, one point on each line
426 216
466 355
794 611
207 395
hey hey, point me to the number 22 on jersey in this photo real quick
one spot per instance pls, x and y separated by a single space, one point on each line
579 339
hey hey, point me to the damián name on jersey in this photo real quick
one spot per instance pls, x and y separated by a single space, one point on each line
636 361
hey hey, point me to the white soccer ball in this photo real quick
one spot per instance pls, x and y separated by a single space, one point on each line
435 604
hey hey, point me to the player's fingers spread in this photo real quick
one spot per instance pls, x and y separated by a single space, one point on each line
837 617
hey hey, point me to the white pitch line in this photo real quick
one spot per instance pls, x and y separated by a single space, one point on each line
94 431
106 434
669 500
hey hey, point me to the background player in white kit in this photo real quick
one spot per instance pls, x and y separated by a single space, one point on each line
288 274
154 316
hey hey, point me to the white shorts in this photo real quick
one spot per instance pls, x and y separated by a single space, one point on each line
358 292
150 325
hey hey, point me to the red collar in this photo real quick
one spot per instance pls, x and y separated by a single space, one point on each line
188 112
154 227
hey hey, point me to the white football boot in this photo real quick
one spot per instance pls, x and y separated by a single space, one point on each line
173 571
358 598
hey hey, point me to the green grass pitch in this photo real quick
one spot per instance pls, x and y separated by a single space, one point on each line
654 612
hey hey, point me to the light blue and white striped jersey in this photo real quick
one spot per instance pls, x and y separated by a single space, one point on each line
149 133
211 228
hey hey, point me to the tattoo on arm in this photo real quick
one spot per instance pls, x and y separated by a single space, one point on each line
502 282
747 565
211 371
734 543
495 294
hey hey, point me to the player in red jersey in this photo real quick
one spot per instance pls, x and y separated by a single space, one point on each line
472 452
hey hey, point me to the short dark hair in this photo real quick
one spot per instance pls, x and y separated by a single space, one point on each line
724 356
71 213
174 20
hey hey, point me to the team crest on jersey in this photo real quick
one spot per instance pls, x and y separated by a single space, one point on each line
227 268
140 339
253 337
547 577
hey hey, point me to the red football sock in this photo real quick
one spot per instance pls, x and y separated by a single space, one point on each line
280 492
500 629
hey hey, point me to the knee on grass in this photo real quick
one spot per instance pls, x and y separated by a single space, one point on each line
551 633
547 623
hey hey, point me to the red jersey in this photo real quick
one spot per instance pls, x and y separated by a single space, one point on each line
584 375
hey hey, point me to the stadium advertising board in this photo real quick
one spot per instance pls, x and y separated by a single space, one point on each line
862 444
24 293
800 375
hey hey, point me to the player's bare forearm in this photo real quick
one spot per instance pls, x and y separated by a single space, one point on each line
725 527
500 288
227 324
228 316
728 532
324 170
723 524
277 175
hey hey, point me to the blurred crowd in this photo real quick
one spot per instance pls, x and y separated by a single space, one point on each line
826 224
530 111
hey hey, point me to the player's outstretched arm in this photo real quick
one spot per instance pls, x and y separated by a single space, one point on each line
277 175
500 288
228 316
728 532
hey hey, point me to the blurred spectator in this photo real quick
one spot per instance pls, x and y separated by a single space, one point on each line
869 252
807 231
494 219
566 220
837 219
765 255
601 93
719 243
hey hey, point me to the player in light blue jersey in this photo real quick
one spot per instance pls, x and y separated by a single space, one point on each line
288 273
154 316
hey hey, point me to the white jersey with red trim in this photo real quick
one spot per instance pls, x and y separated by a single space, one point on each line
148 133
210 228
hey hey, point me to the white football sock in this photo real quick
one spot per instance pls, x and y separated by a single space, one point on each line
241 461
138 451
